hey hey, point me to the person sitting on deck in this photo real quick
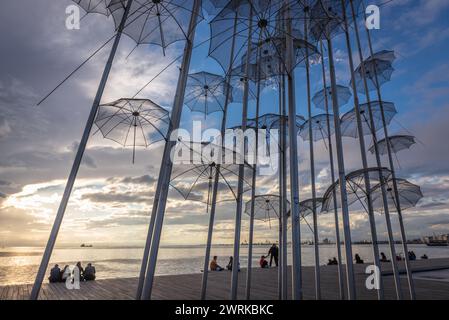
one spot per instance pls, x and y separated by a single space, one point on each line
89 272
424 257
411 256
214 265
332 262
274 254
383 257
358 260
231 263
81 270
263 262
55 274
65 273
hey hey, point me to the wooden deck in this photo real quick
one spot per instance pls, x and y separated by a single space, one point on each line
187 287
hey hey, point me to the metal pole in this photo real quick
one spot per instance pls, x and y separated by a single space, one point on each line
342 178
238 215
312 174
395 186
341 286
146 252
253 187
166 161
284 193
217 170
370 211
76 164
294 172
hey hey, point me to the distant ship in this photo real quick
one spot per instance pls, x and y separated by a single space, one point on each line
86 245
437 241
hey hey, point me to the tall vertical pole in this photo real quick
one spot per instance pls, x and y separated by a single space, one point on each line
76 164
312 173
370 211
342 178
146 251
393 175
284 212
341 285
218 168
253 182
166 161
238 216
294 172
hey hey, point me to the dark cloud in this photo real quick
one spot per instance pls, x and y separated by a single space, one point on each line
113 197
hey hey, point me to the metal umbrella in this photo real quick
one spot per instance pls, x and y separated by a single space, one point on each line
349 123
306 208
95 6
320 130
266 208
343 95
205 93
157 22
79 156
409 195
195 181
355 182
133 122
380 66
398 143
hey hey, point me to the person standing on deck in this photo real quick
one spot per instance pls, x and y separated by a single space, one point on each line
274 254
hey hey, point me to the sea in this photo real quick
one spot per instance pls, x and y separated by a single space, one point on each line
18 265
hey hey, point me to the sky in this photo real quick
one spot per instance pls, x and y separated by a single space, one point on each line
112 197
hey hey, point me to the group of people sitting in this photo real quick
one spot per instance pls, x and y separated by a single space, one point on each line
383 257
214 266
273 253
58 275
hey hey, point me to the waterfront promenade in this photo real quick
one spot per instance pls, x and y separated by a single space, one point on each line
187 287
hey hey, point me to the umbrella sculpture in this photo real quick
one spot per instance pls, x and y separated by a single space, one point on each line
360 132
397 143
328 18
95 6
307 208
205 93
343 96
160 23
368 69
378 77
133 122
79 155
349 123
320 131
409 195
321 100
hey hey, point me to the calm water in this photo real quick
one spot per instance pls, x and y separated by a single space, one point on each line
19 264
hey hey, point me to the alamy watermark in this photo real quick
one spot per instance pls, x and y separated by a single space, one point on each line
372 282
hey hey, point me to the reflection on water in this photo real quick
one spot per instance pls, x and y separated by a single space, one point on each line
19 265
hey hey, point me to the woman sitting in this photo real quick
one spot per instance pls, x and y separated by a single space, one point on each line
263 262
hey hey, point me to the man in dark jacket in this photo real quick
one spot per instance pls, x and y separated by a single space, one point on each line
274 254
55 274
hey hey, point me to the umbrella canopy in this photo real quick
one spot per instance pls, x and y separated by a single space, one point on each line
264 17
157 22
328 18
194 181
409 195
133 122
95 6
205 92
319 127
355 185
266 207
397 143
379 64
349 119
343 96
306 209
